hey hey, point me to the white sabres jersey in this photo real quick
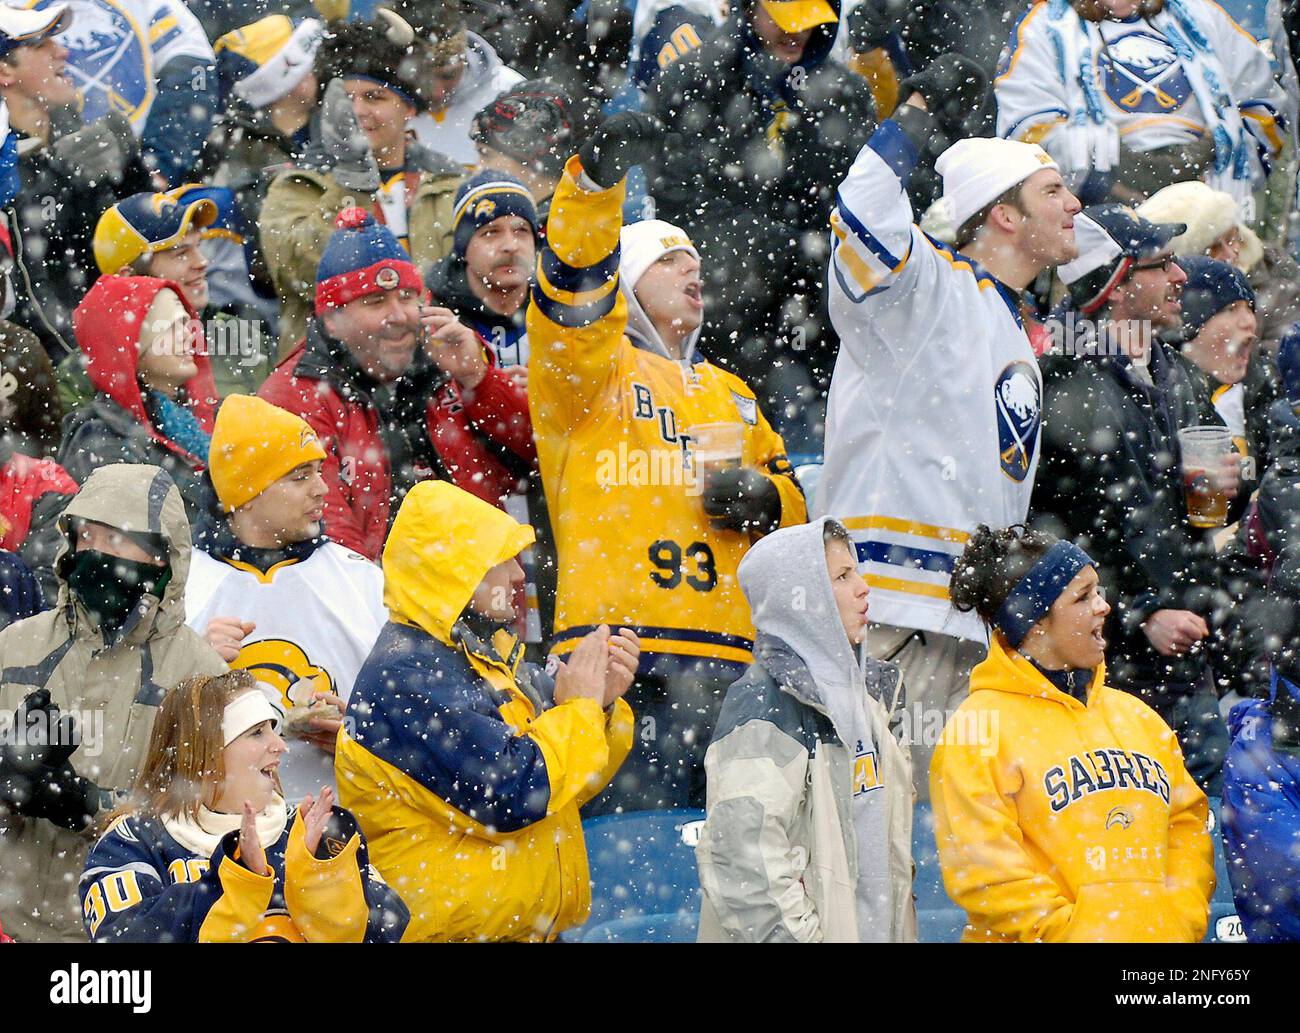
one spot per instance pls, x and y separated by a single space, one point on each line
935 405
116 48
1145 87
316 621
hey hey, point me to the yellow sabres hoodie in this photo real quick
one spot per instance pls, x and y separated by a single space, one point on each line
1062 822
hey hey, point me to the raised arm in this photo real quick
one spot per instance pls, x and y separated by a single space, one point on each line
576 316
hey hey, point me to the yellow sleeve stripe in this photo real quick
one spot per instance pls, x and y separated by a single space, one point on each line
983 282
851 260
893 584
574 299
888 523
1162 120
1037 133
1268 124
674 647
161 28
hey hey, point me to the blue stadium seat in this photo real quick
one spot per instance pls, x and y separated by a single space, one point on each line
938 919
1224 925
677 928
644 884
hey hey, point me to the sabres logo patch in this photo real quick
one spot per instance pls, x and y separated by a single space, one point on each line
1119 818
1018 403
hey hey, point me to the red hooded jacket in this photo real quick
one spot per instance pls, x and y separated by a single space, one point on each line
24 481
483 443
107 325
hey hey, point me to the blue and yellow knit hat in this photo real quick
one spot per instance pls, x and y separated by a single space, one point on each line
264 61
484 197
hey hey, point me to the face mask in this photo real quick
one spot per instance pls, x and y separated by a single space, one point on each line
110 587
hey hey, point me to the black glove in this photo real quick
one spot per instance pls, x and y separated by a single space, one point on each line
742 500
619 143
872 20
32 730
953 87
97 153
37 779
66 798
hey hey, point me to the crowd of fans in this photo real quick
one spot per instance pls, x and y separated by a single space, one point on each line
425 425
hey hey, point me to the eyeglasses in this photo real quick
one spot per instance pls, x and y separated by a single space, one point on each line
1162 264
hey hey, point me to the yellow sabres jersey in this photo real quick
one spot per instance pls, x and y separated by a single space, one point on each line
613 428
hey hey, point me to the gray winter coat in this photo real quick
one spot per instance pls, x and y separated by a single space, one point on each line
779 855
113 688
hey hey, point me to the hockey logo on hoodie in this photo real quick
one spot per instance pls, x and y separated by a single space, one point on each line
1099 770
1018 400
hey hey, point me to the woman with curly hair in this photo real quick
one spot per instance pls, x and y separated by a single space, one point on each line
1062 808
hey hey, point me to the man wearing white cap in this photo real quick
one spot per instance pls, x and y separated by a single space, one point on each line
934 410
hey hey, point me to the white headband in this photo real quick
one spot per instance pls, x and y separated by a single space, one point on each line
245 712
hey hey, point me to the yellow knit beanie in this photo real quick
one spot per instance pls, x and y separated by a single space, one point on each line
254 444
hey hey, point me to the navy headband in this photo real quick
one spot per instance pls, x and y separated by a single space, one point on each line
400 89
1034 594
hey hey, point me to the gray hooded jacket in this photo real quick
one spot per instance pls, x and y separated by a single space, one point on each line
113 688
809 826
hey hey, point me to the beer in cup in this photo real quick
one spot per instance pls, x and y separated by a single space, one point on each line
1204 485
716 447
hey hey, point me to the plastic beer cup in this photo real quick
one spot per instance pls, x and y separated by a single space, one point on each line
1203 450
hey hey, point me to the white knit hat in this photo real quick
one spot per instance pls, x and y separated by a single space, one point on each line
978 171
642 244
1208 214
